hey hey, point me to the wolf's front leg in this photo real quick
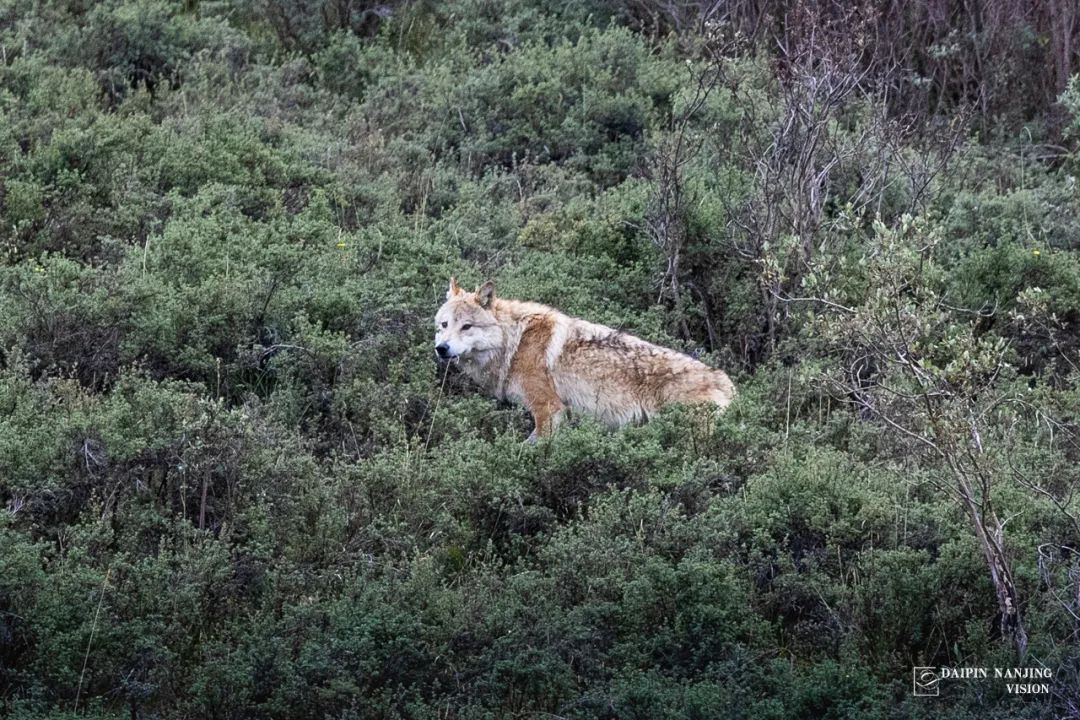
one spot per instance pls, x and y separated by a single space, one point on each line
544 404
545 426
529 368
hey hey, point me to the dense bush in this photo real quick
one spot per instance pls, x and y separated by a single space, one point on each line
233 483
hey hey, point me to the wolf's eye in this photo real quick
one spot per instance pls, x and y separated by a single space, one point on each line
466 326
444 324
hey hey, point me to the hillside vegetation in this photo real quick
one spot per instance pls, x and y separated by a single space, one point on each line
234 483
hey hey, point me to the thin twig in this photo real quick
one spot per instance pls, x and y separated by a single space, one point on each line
93 629
438 399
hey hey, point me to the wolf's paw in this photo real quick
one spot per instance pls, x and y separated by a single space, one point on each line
531 440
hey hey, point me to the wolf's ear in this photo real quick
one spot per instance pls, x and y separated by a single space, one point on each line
454 289
486 294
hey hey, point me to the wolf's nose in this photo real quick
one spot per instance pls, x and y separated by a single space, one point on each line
442 350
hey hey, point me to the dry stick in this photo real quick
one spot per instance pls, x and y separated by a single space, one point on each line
438 399
787 420
93 629
202 503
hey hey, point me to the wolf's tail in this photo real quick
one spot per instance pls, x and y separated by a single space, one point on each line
723 390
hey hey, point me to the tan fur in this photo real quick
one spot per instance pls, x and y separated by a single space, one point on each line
536 355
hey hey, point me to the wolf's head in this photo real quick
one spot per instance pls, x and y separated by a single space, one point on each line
465 325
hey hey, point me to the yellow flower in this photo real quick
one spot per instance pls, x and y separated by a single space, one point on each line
1036 253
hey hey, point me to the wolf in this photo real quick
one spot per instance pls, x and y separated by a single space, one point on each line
535 355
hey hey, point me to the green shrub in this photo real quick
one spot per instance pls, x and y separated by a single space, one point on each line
233 482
